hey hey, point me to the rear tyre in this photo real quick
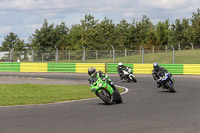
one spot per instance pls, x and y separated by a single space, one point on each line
105 96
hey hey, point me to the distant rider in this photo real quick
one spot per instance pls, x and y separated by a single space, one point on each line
120 69
94 74
158 73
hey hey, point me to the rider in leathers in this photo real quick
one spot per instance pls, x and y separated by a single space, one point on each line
158 72
94 74
120 69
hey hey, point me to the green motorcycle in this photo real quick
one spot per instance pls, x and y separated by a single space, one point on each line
105 92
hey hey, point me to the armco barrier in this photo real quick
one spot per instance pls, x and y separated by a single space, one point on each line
112 68
191 69
109 68
146 68
62 67
33 67
83 67
142 68
136 68
174 68
10 67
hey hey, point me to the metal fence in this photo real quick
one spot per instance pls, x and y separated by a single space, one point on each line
169 55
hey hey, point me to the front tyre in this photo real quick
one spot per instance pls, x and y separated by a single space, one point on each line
105 96
118 98
134 79
170 87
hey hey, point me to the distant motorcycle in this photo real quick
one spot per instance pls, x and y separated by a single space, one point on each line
105 92
167 82
128 75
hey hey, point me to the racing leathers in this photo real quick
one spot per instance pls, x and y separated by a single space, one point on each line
158 74
103 76
120 71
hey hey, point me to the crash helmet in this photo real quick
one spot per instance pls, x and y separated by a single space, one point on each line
155 66
120 64
92 71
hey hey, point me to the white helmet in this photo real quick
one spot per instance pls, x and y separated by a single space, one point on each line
120 64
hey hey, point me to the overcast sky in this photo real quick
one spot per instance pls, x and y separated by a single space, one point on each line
23 16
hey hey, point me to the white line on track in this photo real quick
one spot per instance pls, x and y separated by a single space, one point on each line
126 89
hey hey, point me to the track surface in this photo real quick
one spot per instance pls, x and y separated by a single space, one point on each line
145 109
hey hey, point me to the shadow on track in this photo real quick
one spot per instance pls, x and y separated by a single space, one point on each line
129 82
110 104
166 91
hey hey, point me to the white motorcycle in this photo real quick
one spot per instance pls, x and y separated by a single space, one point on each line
128 75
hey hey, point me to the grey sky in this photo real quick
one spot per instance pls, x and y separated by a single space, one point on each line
23 16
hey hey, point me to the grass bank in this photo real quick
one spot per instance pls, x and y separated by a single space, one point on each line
181 57
26 94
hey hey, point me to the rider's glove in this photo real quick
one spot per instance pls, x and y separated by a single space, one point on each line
111 83
104 78
89 79
159 78
170 74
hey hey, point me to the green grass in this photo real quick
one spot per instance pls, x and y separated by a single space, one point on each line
181 57
26 94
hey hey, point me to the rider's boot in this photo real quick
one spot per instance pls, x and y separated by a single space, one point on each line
158 84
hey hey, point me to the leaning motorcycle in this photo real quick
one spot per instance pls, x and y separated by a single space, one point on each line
128 75
105 92
167 82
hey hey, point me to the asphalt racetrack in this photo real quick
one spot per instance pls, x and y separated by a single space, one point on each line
145 109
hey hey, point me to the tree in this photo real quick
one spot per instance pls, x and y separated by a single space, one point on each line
195 31
61 31
44 39
163 31
186 38
74 37
180 32
12 41
133 35
142 29
95 35
104 34
123 34
152 39
88 26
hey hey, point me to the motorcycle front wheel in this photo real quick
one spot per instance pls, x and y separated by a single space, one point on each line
105 96
118 98
170 87
134 79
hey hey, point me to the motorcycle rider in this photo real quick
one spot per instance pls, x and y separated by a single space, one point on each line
120 69
158 72
94 74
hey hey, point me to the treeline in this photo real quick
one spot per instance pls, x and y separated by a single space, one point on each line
100 35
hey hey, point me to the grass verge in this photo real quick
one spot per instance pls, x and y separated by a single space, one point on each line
26 94
181 57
